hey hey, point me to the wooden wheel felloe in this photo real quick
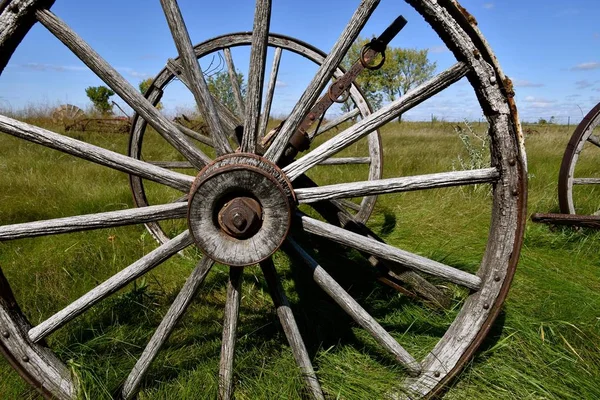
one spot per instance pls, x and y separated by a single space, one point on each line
577 181
242 204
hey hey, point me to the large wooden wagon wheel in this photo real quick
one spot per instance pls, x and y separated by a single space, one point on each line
233 118
241 206
578 179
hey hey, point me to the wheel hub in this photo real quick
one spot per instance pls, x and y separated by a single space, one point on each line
240 209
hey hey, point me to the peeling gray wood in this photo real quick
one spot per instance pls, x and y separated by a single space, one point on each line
292 333
195 77
123 88
95 154
377 119
264 118
346 161
110 286
322 77
362 317
171 318
397 185
387 252
586 181
93 221
232 310
256 74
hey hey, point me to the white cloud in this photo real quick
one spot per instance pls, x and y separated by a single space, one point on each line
488 5
538 102
583 84
52 67
526 83
588 66
281 84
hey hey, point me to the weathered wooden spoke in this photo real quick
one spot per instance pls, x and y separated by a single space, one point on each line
288 322
93 221
397 185
388 252
235 84
264 118
584 144
117 83
340 296
176 311
240 207
194 74
256 74
110 286
232 310
94 153
377 119
322 77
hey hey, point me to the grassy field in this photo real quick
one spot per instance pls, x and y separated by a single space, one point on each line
545 345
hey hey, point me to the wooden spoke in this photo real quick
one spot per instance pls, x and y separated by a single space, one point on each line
377 119
171 318
235 84
232 310
172 164
195 135
594 140
397 185
264 119
346 161
363 318
110 286
95 154
387 252
288 322
256 74
123 88
586 181
335 122
192 71
322 77
93 221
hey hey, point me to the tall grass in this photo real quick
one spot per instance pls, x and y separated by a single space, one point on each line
545 345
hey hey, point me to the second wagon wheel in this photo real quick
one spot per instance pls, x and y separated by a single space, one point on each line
579 177
366 155
242 211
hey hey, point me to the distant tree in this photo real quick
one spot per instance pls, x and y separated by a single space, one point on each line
99 96
219 85
403 70
144 86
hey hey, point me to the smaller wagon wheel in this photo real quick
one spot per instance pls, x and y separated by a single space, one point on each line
366 163
579 177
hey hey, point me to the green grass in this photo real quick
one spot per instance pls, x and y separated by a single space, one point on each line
545 345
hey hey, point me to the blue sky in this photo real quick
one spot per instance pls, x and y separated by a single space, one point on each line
551 50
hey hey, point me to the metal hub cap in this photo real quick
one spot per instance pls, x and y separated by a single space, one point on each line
240 209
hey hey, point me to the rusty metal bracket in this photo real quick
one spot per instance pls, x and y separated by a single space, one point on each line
300 141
